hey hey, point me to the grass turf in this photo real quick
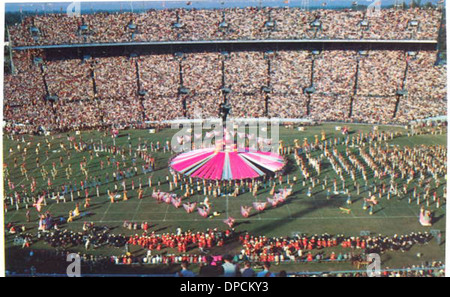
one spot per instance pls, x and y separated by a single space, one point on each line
300 214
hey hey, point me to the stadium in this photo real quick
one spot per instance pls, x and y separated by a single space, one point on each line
102 159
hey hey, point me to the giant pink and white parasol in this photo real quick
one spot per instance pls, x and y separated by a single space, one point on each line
231 164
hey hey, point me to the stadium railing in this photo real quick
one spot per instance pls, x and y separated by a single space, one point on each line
302 273
252 41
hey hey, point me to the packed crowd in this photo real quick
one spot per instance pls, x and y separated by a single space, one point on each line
202 77
290 73
105 91
69 79
227 24
246 73
159 77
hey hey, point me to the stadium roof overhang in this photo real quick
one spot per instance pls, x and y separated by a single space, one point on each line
211 42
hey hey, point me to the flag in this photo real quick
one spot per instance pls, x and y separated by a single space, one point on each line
167 198
260 206
273 202
38 204
245 211
189 207
176 202
230 222
204 212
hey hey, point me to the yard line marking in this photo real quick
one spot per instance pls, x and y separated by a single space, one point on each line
136 211
167 211
104 214
382 211
227 206
139 204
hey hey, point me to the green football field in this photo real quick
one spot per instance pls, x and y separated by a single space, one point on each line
300 213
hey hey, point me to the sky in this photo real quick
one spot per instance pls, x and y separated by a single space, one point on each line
92 6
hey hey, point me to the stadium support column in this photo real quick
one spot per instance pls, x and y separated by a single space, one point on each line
180 97
11 61
138 78
94 84
139 93
94 87
355 89
311 84
223 81
442 37
267 94
308 103
397 102
44 79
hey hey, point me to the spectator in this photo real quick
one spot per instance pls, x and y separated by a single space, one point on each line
247 271
266 272
229 269
184 271
209 270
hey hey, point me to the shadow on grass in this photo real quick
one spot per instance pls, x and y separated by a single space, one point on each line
311 207
437 219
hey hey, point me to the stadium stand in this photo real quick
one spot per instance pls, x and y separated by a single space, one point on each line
227 24
380 85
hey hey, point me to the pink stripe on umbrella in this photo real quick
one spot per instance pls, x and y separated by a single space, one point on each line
241 164
239 169
180 166
211 169
262 161
202 172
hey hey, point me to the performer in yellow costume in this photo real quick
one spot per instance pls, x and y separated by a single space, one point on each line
70 219
76 212
111 197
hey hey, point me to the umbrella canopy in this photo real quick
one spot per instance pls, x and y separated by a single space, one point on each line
227 165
